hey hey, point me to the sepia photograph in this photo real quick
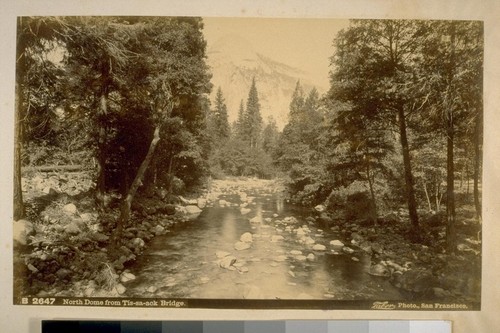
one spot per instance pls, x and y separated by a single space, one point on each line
248 163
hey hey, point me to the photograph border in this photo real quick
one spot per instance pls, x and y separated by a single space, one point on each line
28 318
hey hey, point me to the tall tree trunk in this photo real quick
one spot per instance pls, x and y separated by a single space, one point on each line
127 201
372 191
450 164
477 162
102 150
18 192
427 196
410 191
450 188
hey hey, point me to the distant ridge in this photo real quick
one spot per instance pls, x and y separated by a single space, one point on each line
234 62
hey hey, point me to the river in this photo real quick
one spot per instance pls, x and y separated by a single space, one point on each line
188 262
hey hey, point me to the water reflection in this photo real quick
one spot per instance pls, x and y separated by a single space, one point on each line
183 262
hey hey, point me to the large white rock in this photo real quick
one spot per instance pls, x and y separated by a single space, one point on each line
126 277
21 229
244 210
201 203
192 209
336 243
320 208
227 262
246 237
319 247
70 209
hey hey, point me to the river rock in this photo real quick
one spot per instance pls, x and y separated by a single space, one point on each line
22 229
301 258
319 247
223 203
320 208
221 254
192 210
336 243
120 289
70 209
138 242
280 258
201 203
347 249
379 270
290 219
227 262
240 246
311 257
72 228
300 232
152 289
204 279
246 237
126 277
277 238
296 252
158 230
275 215
308 240
244 210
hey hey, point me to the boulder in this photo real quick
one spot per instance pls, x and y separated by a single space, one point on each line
138 242
319 247
22 229
280 258
227 262
320 208
240 246
192 210
308 240
379 270
296 252
158 230
246 237
244 210
70 209
301 258
72 228
120 289
311 257
126 277
201 203
347 249
336 243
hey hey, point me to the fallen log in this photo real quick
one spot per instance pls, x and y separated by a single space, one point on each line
49 168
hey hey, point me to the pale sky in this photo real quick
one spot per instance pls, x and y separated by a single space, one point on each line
302 43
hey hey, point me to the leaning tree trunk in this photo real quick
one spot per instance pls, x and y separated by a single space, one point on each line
373 205
127 201
410 190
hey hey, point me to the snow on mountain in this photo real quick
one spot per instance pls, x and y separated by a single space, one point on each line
234 62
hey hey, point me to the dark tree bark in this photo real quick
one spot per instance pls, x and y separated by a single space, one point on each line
127 201
410 190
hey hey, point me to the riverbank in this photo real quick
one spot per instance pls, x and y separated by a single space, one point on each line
65 251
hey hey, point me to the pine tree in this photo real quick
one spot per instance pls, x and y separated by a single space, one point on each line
219 124
253 118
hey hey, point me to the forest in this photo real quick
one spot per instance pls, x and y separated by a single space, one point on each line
114 126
